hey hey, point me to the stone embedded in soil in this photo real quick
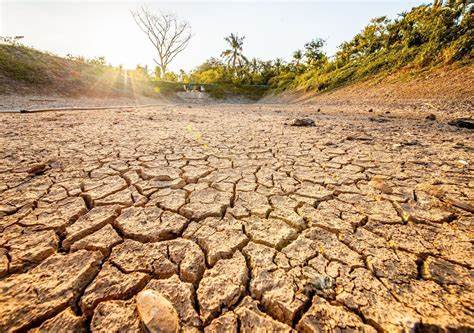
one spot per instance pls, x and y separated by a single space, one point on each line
222 286
66 321
149 224
37 168
115 316
57 281
302 122
381 185
181 295
102 240
156 312
110 284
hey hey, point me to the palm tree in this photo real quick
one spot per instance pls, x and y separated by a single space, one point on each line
297 56
254 65
278 64
234 55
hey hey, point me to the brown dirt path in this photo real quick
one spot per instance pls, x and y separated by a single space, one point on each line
242 222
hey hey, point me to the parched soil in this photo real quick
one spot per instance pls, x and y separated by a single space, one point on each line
17 102
363 222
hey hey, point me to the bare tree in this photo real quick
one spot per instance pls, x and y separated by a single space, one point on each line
166 32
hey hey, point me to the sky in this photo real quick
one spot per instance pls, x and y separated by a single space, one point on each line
272 28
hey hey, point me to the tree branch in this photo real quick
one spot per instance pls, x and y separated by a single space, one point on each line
167 34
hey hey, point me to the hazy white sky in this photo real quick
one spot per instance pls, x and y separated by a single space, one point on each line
272 29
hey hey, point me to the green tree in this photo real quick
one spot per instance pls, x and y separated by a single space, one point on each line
278 64
254 65
233 54
171 76
297 57
314 52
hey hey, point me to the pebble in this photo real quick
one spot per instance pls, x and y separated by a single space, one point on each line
156 313
302 122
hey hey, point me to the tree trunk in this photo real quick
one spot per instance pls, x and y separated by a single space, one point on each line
163 71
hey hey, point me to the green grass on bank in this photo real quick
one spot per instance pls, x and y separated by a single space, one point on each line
32 69
427 37
76 75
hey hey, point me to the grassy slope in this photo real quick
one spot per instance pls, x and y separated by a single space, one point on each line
425 53
26 70
453 83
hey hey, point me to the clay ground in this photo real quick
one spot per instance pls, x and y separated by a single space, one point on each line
242 222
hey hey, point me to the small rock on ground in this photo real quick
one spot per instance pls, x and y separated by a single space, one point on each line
302 122
156 313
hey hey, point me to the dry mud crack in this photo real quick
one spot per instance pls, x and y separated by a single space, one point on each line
243 223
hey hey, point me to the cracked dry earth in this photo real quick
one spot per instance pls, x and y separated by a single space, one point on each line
243 223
